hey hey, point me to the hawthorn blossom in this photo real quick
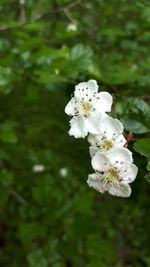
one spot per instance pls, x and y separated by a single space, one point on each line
110 136
38 168
87 107
63 172
112 162
72 27
114 172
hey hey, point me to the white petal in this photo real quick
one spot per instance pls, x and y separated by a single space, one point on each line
104 102
70 107
93 86
78 128
111 127
92 122
95 181
120 190
100 162
120 141
93 150
92 138
95 140
131 173
120 156
86 90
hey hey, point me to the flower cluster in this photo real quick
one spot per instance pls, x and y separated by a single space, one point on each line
111 161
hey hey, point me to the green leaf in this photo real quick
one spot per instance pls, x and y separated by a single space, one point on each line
147 177
98 247
94 70
134 126
7 133
148 165
47 77
30 231
80 51
81 56
139 105
142 146
83 202
5 79
36 259
6 177
3 196
5 74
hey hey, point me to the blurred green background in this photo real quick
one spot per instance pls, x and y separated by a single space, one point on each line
49 217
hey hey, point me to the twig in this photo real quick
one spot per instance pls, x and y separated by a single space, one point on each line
22 18
77 2
61 9
69 16
20 199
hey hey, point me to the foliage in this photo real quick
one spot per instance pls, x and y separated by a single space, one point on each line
142 146
48 218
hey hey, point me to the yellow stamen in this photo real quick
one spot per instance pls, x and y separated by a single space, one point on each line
85 108
111 176
106 144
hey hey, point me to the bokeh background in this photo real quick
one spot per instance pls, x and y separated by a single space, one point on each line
49 217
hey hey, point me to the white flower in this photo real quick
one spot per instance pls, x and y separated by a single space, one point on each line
63 172
71 27
110 136
114 172
96 180
87 108
38 168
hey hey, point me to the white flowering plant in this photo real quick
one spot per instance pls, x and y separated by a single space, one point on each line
110 159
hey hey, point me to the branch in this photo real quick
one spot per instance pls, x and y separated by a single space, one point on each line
65 9
77 2
20 199
69 15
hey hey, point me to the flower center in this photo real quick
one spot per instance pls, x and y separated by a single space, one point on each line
85 108
106 144
111 176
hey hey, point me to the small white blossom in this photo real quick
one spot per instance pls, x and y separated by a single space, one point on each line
112 162
71 27
63 172
109 137
38 168
114 172
87 108
56 71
